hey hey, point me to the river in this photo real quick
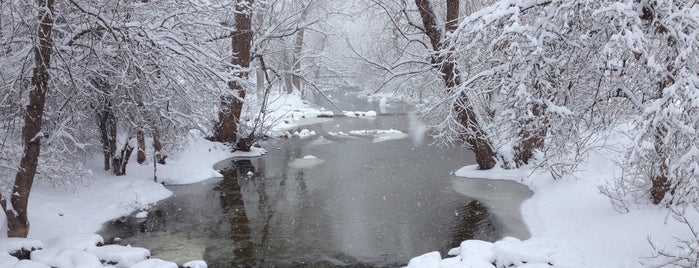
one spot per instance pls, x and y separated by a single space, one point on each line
354 201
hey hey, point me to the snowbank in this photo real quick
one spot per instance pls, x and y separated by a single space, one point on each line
80 251
194 163
289 111
380 135
54 212
571 224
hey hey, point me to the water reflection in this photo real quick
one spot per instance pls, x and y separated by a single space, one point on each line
473 222
233 206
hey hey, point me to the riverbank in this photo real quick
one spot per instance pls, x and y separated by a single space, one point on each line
571 223
64 220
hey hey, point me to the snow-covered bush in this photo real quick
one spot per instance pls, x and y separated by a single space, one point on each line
656 42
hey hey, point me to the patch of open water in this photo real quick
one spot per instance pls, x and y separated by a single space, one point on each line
365 205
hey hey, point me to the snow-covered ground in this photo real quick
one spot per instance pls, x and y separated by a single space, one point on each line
64 222
571 224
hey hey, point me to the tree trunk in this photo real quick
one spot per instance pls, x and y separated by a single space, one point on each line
476 139
659 178
532 139
452 16
226 129
17 217
158 147
298 50
107 125
119 161
260 81
106 121
141 141
288 83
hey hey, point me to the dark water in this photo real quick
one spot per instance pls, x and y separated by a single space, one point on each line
367 205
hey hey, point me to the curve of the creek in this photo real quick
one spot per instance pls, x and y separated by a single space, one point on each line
362 202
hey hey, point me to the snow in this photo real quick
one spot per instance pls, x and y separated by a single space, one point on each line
362 114
120 256
304 134
254 152
141 215
427 260
13 244
195 264
306 162
195 162
154 263
64 251
571 223
28 264
380 135
289 111
54 212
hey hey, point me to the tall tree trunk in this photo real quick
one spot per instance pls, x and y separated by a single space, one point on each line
141 141
298 51
296 68
107 125
120 161
476 139
17 217
226 129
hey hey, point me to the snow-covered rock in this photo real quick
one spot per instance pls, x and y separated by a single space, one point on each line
308 161
13 244
120 256
154 263
304 133
141 215
427 260
195 264
69 251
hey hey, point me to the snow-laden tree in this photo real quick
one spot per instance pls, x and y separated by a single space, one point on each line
534 74
287 54
117 68
149 66
661 38
40 41
657 43
544 78
291 39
